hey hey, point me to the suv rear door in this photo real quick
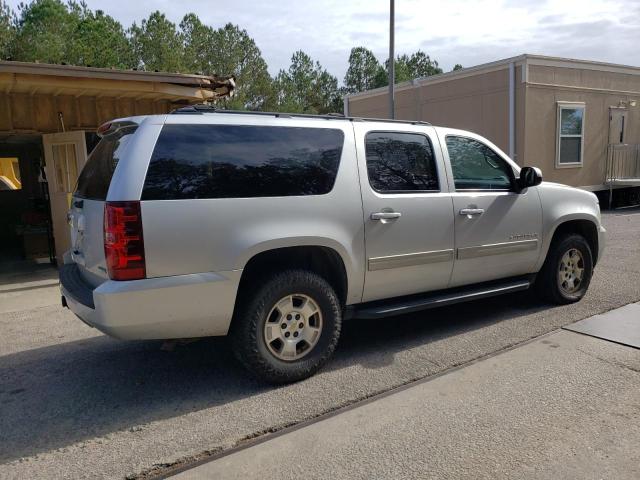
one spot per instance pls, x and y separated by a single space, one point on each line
407 208
86 215
497 229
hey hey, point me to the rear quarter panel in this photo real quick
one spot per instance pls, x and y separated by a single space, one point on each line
128 177
221 235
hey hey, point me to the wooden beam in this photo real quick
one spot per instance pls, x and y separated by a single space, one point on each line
8 112
50 70
117 88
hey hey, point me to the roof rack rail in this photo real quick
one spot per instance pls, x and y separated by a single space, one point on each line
205 108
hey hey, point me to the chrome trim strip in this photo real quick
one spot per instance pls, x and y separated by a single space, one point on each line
497 249
410 259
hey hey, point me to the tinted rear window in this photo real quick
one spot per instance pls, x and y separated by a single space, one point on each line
400 162
225 161
93 182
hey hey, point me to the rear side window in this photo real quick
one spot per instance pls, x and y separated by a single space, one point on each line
93 182
226 161
400 162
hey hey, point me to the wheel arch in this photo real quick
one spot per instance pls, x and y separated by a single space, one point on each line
583 225
321 259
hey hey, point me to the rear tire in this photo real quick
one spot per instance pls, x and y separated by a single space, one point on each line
289 328
567 270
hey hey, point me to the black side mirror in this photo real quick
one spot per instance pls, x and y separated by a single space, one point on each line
529 177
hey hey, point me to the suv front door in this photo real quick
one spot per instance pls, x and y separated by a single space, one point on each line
497 229
408 220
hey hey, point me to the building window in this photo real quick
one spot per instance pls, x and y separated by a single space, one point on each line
570 146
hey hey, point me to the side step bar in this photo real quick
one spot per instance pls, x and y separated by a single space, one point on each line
414 303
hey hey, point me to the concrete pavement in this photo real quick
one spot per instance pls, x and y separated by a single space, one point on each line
22 289
75 403
563 406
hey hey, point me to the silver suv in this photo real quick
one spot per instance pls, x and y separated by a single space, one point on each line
275 228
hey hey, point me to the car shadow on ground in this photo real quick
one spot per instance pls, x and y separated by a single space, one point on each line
55 396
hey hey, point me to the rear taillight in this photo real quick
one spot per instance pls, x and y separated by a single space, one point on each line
123 241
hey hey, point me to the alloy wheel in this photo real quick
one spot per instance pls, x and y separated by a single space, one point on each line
571 271
293 327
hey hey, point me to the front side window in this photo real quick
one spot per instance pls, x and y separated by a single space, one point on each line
400 162
233 161
570 134
476 167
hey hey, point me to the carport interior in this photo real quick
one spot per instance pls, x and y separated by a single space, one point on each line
25 217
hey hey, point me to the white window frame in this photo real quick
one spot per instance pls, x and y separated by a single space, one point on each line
569 106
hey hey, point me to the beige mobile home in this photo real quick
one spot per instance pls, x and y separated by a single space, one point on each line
579 121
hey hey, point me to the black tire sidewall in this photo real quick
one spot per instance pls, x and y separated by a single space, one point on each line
250 345
559 249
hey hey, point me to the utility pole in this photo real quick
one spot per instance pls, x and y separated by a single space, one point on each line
392 61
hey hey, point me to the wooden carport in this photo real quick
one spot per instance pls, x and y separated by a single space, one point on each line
48 118
34 97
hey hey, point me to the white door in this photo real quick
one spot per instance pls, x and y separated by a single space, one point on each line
408 220
497 230
65 154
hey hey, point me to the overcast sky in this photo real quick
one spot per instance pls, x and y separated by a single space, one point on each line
450 31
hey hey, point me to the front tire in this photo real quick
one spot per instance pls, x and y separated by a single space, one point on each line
289 328
566 273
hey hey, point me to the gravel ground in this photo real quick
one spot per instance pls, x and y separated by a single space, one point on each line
75 403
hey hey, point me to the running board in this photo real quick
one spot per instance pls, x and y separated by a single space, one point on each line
413 303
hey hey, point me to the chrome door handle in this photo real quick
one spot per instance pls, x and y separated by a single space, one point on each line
385 215
472 211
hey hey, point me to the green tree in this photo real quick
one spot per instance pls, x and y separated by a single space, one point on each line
7 30
228 50
364 71
199 45
408 67
157 45
306 87
237 54
98 40
457 66
419 64
44 29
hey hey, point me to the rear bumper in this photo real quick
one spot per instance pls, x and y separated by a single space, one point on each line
181 306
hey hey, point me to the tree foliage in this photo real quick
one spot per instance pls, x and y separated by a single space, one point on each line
408 67
417 65
7 30
50 31
306 87
44 28
99 41
237 54
364 72
157 44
